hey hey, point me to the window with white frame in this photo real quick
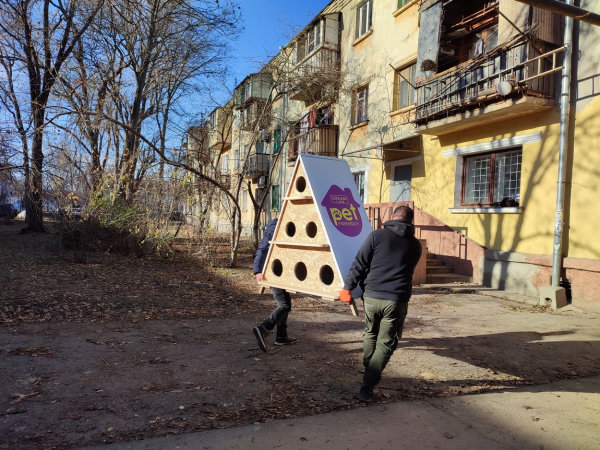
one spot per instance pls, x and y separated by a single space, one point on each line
406 94
492 178
364 11
359 179
236 159
212 119
360 105
244 200
313 38
225 166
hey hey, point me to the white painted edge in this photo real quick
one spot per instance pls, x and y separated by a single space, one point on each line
517 210
319 213
494 145
403 162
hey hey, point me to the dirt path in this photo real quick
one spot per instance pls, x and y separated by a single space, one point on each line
121 349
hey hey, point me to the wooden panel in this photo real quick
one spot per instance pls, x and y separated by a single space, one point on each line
313 259
301 213
550 26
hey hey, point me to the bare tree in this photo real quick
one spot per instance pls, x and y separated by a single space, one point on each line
42 34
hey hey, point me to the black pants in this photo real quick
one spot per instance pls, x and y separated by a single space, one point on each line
278 317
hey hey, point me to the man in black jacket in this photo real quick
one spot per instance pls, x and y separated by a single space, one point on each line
384 267
278 317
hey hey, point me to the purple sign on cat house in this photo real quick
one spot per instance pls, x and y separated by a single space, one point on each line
343 211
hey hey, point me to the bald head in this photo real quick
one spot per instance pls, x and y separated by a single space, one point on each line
403 213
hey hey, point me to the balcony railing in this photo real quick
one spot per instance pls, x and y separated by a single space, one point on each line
321 140
475 83
319 69
254 117
258 165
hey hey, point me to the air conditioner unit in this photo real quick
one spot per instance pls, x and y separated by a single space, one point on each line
262 181
264 135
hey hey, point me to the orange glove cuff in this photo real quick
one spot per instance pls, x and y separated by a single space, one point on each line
346 296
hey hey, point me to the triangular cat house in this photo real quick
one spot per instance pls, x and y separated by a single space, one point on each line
322 225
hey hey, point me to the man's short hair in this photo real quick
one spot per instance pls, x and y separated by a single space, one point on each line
403 213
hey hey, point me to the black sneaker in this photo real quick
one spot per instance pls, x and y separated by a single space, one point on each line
365 394
261 333
285 340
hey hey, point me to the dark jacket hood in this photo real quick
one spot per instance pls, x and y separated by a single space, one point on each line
401 227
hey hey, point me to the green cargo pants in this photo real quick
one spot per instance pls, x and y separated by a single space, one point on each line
384 321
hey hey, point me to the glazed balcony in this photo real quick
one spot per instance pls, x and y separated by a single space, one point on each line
254 87
320 140
472 93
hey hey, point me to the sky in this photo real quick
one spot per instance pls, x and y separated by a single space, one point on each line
268 25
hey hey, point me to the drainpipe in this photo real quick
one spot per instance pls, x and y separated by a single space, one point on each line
563 147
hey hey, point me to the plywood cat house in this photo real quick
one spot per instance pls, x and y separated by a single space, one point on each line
321 227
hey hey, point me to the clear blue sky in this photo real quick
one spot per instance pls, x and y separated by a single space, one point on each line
268 25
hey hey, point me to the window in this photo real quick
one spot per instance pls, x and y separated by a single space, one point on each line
363 18
300 50
313 38
276 140
244 200
405 94
359 179
360 105
402 3
225 168
236 159
275 197
260 148
213 120
493 178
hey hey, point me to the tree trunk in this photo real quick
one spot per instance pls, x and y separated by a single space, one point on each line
35 212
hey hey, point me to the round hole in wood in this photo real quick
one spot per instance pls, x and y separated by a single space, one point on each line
300 271
290 229
311 229
301 184
277 268
326 275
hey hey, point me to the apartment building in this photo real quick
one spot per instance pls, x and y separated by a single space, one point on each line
451 107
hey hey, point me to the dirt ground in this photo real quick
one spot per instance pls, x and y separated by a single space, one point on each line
119 348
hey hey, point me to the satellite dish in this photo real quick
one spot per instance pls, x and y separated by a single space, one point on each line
504 88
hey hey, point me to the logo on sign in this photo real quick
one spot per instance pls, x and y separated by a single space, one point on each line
343 211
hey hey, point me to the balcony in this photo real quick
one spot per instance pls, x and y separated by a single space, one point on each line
254 87
220 123
254 116
318 70
471 94
257 165
321 140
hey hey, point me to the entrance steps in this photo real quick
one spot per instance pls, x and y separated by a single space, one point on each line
438 273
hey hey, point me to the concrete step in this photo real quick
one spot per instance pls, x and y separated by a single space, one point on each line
434 262
433 270
430 255
443 278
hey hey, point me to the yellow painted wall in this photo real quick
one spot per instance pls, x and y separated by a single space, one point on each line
531 231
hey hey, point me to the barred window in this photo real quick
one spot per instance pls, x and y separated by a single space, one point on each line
492 178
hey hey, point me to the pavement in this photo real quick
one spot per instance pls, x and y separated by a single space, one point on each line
563 415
